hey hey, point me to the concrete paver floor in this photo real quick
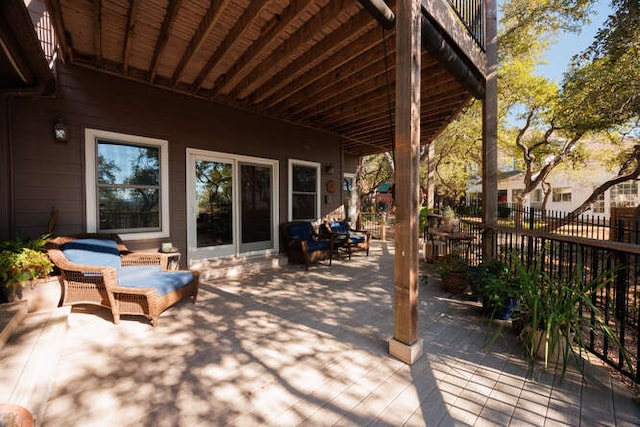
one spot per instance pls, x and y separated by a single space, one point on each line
289 347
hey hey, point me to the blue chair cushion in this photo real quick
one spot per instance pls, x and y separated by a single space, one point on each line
98 252
153 277
339 226
357 239
317 246
301 232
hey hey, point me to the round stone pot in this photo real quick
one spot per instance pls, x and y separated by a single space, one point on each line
15 416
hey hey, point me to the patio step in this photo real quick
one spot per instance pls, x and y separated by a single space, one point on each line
221 268
29 359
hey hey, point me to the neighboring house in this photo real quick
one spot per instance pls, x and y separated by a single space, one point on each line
569 190
383 197
206 125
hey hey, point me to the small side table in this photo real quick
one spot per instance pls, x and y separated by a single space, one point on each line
173 259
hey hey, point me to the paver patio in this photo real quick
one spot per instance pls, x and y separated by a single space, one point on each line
288 347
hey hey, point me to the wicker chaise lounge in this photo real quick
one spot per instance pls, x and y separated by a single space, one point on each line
98 269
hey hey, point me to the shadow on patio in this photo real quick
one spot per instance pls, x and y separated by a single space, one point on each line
286 347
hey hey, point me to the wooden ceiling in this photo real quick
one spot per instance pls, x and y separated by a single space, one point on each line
320 63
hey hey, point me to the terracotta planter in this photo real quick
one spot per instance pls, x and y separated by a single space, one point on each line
42 294
558 352
15 416
455 282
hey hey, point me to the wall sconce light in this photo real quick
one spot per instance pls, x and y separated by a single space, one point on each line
328 168
61 131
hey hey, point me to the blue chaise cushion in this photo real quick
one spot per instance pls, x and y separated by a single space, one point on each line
357 239
301 232
153 277
98 252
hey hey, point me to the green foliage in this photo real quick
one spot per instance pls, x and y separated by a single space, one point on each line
554 314
451 263
422 218
22 261
494 283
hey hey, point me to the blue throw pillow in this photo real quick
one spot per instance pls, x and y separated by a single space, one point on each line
98 252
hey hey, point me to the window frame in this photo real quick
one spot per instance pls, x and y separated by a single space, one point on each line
316 166
91 141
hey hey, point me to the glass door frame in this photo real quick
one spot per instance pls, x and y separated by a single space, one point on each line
194 253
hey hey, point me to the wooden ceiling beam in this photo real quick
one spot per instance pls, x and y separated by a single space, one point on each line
375 100
349 61
301 46
167 24
97 31
366 118
226 82
132 14
208 22
237 33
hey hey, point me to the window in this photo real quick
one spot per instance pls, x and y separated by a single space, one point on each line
536 197
598 205
304 190
127 185
624 194
562 194
502 196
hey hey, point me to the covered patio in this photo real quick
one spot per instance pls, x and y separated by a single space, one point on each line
283 347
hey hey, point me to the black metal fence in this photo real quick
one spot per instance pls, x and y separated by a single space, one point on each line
599 246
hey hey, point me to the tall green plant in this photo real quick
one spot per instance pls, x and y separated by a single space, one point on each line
552 314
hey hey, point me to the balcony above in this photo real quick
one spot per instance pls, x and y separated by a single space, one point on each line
324 64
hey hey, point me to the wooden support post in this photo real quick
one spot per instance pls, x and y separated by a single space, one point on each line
490 133
405 344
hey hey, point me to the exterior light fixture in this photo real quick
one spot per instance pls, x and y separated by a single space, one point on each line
61 131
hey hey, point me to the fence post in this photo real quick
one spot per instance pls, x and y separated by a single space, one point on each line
532 212
383 226
621 273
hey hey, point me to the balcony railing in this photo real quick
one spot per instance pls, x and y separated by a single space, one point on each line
471 14
602 246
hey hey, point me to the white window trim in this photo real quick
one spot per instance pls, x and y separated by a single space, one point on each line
235 160
91 136
315 165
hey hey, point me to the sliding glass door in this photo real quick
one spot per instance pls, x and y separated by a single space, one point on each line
232 205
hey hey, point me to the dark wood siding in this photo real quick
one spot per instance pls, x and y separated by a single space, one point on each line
51 174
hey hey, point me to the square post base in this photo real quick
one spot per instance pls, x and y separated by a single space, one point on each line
406 353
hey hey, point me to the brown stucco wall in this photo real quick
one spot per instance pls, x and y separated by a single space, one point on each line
50 174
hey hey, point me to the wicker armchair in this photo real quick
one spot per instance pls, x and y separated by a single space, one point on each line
129 283
304 245
346 238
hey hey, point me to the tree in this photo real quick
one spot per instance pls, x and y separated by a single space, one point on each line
371 172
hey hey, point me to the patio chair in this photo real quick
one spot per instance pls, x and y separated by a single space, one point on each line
304 245
347 238
98 269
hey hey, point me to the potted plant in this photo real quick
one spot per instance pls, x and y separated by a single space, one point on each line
24 266
450 221
496 287
454 272
554 313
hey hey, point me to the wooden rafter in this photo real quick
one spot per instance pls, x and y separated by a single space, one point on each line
163 37
209 21
236 34
346 34
341 65
226 82
294 46
128 38
97 30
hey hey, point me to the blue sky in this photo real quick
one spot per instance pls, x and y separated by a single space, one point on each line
559 55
